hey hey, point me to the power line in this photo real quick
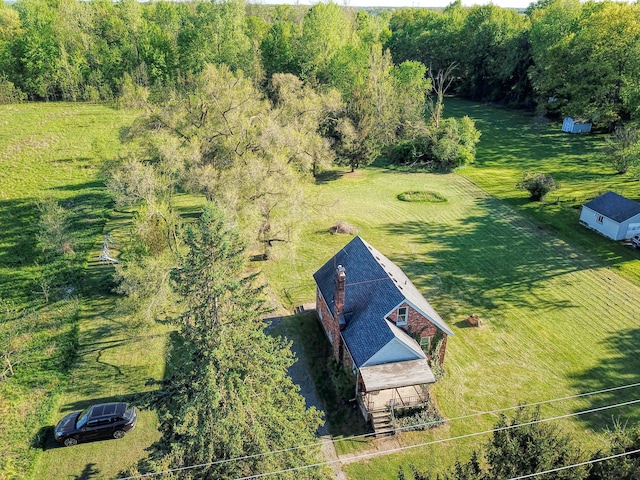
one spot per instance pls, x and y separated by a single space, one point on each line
246 457
400 429
433 442
500 410
553 470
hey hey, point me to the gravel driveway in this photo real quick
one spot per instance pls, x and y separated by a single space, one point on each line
299 373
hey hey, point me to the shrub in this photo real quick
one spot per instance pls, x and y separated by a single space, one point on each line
422 196
449 145
343 380
9 93
410 152
537 184
422 418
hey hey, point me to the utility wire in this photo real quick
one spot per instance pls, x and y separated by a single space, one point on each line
208 464
409 427
589 462
408 447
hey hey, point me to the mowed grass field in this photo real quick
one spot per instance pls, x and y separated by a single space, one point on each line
511 145
48 150
558 302
559 315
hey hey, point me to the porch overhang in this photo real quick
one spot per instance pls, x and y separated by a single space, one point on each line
396 375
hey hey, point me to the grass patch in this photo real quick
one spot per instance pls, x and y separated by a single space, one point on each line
511 145
542 299
73 350
421 196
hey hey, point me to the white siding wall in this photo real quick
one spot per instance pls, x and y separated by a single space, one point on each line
630 227
394 351
607 227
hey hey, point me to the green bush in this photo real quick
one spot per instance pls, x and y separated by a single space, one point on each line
537 184
449 145
422 196
9 93
342 379
422 418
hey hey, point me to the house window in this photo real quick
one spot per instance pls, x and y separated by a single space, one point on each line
600 219
425 342
330 335
403 316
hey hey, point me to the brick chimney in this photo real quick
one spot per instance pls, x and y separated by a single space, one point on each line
340 279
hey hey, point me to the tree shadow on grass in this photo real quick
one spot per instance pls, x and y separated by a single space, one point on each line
506 134
88 472
17 249
328 176
489 259
19 253
621 368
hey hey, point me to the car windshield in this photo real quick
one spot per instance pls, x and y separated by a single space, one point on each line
83 417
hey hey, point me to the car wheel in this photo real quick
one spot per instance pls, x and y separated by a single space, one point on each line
118 434
70 442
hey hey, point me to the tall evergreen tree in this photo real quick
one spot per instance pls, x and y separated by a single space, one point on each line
229 395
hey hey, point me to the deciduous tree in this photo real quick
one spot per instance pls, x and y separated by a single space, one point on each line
622 149
520 445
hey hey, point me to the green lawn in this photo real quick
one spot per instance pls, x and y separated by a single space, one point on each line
558 301
559 312
46 149
509 147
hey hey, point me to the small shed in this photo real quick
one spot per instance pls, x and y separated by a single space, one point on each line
571 125
612 215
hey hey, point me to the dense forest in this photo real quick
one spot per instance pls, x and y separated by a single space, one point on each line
561 56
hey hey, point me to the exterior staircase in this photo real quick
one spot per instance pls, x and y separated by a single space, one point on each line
307 307
382 423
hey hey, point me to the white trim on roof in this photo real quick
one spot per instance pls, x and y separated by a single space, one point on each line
437 322
394 351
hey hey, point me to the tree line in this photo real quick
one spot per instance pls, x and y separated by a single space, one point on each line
563 57
560 56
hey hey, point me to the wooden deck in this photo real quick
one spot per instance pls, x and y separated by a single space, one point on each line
397 397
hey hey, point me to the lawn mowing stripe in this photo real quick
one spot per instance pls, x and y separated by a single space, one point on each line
546 285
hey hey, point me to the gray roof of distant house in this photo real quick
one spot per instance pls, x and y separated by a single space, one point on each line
375 286
614 206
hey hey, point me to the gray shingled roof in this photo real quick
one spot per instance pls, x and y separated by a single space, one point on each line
614 206
375 286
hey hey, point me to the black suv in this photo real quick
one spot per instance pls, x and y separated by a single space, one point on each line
105 420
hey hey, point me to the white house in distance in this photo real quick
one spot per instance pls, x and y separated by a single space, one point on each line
612 215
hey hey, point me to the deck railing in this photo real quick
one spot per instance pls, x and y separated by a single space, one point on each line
402 402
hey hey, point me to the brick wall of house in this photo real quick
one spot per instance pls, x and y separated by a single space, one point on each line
331 327
347 360
418 324
443 349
